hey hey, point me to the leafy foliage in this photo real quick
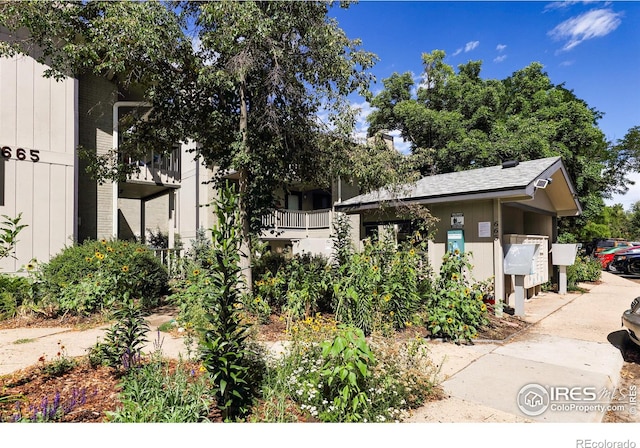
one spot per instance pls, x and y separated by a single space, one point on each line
124 340
97 274
456 308
156 393
14 291
223 342
332 373
9 230
584 269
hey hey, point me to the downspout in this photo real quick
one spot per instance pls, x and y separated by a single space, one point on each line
116 107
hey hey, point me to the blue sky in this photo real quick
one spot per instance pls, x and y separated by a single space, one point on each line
591 47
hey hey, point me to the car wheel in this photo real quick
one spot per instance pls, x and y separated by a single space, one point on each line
633 268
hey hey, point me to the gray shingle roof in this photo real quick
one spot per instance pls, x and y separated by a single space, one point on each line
480 181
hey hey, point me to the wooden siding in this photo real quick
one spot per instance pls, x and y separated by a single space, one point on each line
38 114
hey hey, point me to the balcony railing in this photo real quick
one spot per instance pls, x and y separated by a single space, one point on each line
296 219
157 168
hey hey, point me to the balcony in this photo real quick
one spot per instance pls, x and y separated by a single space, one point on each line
296 224
157 172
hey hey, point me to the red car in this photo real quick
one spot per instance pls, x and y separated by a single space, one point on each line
606 256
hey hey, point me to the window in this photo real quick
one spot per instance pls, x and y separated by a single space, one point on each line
321 200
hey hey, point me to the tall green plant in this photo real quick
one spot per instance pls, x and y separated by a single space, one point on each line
9 230
223 344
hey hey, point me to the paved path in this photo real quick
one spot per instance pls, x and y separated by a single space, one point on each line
572 348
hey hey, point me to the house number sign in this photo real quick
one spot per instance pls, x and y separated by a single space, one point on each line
20 154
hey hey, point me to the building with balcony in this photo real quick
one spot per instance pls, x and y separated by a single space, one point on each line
44 122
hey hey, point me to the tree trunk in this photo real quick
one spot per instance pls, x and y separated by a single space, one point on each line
245 247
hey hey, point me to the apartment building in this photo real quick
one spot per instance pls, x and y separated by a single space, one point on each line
43 122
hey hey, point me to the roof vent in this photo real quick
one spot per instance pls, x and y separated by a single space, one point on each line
510 164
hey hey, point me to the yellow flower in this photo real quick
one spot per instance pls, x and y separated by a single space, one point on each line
196 272
483 307
455 277
88 259
456 252
109 249
139 249
103 241
412 252
125 268
387 297
30 266
449 320
202 369
375 268
99 255
391 313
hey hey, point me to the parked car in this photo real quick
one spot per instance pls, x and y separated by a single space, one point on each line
606 256
626 261
631 321
610 243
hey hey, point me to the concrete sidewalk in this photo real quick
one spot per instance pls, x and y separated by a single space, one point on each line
22 347
573 349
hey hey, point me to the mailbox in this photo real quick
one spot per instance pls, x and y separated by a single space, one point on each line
563 254
518 258
455 240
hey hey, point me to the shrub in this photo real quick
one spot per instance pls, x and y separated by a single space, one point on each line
156 393
13 292
124 340
584 269
92 276
334 374
456 309
381 287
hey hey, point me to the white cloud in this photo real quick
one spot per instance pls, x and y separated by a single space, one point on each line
500 58
566 4
471 46
592 24
457 52
501 47
566 63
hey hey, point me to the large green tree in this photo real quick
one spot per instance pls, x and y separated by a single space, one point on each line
458 120
249 90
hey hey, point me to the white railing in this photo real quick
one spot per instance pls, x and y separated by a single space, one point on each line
157 168
171 259
295 219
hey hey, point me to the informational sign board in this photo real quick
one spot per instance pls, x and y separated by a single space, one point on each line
457 220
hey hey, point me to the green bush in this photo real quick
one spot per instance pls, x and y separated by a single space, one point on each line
89 277
14 291
456 308
584 269
156 393
334 374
